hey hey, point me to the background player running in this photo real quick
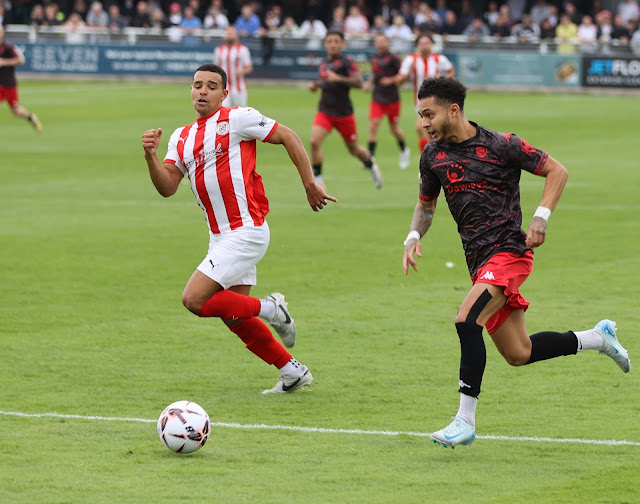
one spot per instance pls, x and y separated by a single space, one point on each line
420 65
385 99
479 171
10 58
338 74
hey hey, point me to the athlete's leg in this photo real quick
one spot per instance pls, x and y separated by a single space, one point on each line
374 125
357 150
318 134
423 137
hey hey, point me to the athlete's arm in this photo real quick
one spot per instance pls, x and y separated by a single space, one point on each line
556 177
291 141
166 177
17 60
354 80
421 222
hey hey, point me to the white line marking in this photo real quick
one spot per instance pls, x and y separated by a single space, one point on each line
323 430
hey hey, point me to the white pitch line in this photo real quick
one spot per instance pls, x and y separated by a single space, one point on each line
323 430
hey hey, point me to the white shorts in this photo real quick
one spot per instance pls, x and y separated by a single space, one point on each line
232 256
236 99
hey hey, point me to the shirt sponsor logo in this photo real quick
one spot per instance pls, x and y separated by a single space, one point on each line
204 155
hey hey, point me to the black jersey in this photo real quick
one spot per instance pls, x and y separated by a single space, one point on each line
335 99
481 182
386 65
7 73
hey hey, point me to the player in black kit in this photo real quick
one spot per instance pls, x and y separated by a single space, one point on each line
479 172
338 74
10 58
385 99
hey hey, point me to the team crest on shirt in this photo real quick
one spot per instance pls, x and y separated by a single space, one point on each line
222 128
482 152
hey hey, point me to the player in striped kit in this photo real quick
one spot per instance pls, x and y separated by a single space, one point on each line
235 59
420 65
218 154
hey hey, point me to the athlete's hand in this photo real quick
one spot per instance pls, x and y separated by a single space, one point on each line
313 86
537 232
366 86
151 141
317 198
388 81
333 77
412 247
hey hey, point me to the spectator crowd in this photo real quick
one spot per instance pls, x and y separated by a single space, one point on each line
518 20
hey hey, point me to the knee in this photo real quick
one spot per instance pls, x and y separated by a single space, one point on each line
316 144
517 357
191 303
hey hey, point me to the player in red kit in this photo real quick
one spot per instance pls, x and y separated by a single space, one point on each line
479 172
338 74
218 154
385 99
10 58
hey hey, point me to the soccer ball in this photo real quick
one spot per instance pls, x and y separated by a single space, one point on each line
183 427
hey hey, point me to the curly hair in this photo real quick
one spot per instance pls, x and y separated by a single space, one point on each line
445 89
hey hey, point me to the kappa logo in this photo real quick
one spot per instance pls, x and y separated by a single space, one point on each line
488 276
441 155
463 384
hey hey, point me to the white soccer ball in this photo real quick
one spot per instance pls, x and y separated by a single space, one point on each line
184 427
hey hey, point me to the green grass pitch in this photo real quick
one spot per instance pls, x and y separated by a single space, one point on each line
91 323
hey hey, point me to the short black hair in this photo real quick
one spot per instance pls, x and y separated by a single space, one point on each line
210 67
424 34
447 90
334 32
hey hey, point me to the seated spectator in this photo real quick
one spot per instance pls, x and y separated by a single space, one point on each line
540 11
337 20
451 26
426 20
159 22
620 31
75 29
97 17
491 15
503 25
553 15
52 15
567 35
37 16
248 23
273 19
407 13
141 18
587 32
604 27
547 30
175 14
571 10
80 6
117 21
629 9
526 30
379 25
312 27
476 30
634 44
191 25
399 30
215 19
289 28
356 24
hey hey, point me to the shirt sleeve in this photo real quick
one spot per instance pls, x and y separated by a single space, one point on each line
405 68
429 183
245 56
172 151
521 154
252 125
445 63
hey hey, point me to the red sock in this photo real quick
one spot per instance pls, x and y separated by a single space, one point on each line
422 143
258 338
229 305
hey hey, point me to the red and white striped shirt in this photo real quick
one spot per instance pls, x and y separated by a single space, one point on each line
218 153
233 58
420 68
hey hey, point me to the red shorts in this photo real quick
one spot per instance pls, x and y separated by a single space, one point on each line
507 270
379 110
10 94
346 125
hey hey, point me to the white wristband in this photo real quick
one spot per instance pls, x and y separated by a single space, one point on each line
413 235
543 212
